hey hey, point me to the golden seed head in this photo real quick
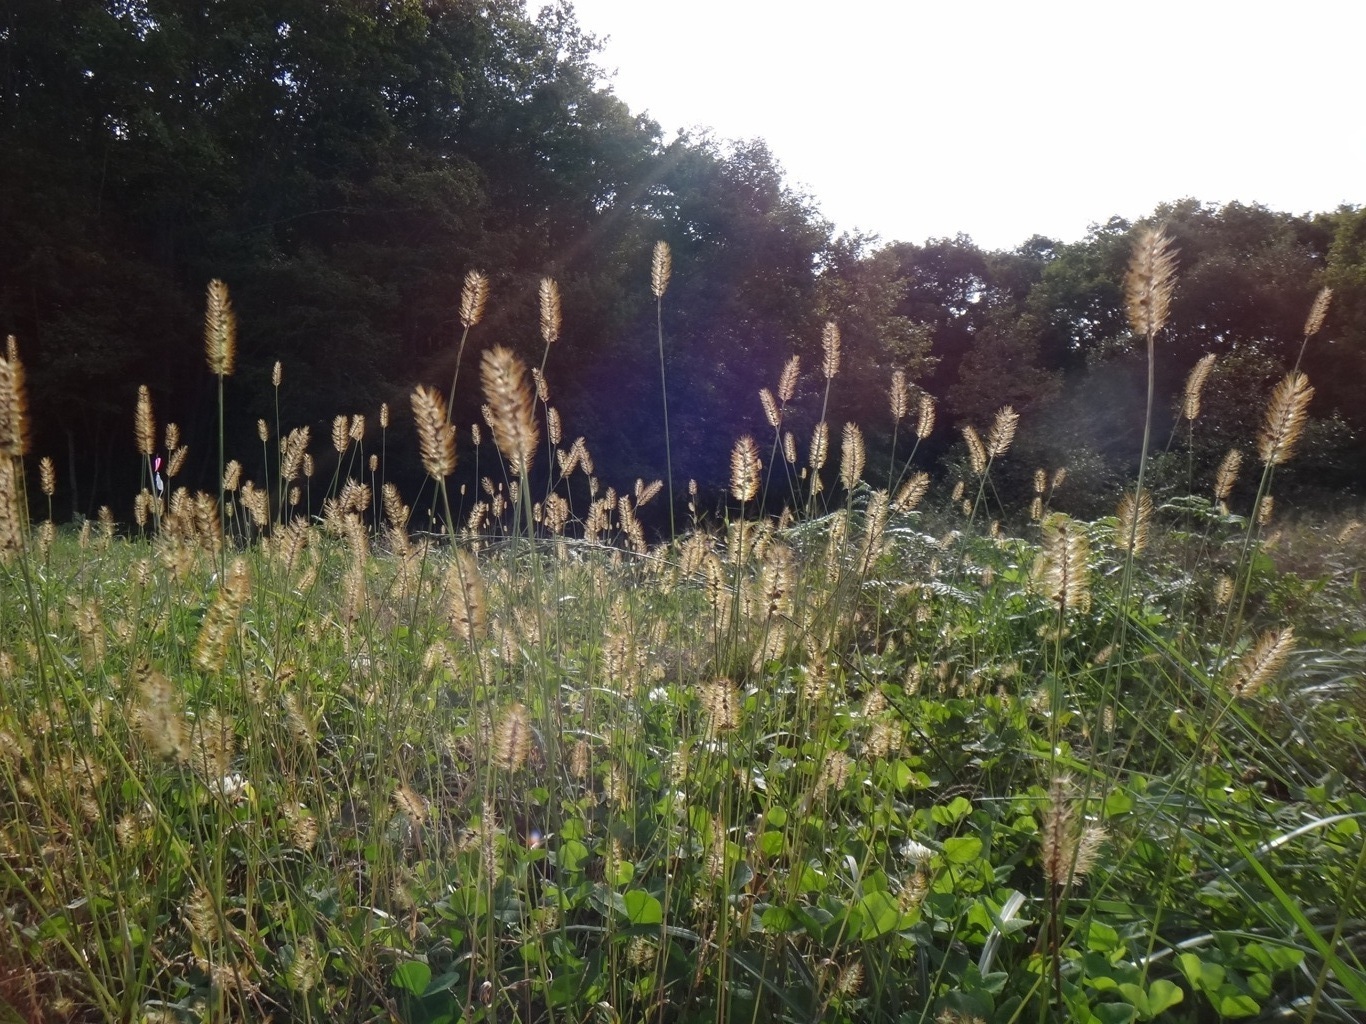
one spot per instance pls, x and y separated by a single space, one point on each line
820 445
790 447
232 475
1059 478
1065 569
745 469
277 374
787 380
172 437
770 405
1040 481
341 433
1227 474
899 396
511 410
721 706
47 476
550 310
553 427
924 424
472 298
308 465
176 462
14 439
852 456
830 347
383 415
262 431
143 424
1262 662
1264 508
977 451
1002 431
661 267
1317 312
435 435
1151 279
1286 415
357 431
292 450
220 330
1195 385
1132 520
911 493
512 741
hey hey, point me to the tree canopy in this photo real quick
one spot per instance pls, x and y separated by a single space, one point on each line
343 165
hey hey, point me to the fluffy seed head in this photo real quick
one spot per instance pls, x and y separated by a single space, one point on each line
1150 281
383 415
1065 570
220 330
787 380
277 374
830 347
1132 520
1195 384
1260 665
820 445
851 456
1317 312
1286 415
924 424
1002 431
911 493
770 407
977 451
550 310
435 435
472 298
512 742
14 440
661 266
47 476
1227 474
899 396
512 416
144 426
745 469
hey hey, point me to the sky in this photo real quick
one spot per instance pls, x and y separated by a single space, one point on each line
1001 120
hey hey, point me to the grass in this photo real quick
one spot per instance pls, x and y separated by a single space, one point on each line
881 761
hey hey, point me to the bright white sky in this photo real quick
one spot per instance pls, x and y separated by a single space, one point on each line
1006 118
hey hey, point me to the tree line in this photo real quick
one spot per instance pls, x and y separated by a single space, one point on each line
343 165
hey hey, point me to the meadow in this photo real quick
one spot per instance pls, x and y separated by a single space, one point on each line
897 752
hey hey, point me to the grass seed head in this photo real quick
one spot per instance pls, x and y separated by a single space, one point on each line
852 456
473 296
977 451
830 349
1260 665
1227 474
661 267
1195 385
144 426
1317 312
899 396
1286 415
911 493
435 433
220 330
1132 521
1002 431
787 380
511 409
924 423
1151 279
551 316
745 470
